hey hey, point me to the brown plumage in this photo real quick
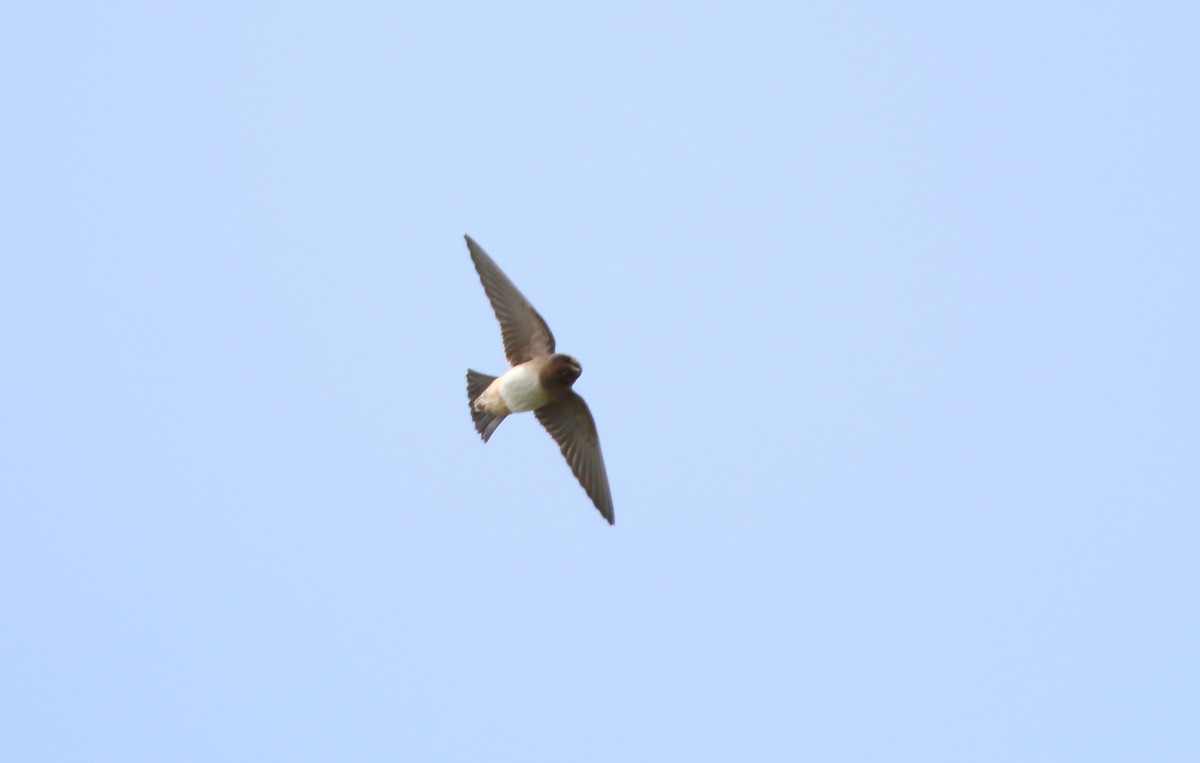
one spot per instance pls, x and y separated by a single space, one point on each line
539 380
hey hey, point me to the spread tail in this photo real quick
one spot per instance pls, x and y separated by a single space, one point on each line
485 423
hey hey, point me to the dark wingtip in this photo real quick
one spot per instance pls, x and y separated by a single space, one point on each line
608 513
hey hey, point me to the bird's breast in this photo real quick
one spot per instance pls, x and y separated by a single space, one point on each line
520 388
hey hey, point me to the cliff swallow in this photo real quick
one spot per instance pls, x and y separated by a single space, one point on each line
539 380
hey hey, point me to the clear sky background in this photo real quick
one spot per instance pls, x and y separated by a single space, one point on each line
888 316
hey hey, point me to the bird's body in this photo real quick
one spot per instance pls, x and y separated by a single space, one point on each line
539 380
516 390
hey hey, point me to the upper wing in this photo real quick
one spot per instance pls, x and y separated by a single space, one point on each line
525 333
570 423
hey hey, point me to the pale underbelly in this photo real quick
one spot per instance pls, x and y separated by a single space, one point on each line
520 390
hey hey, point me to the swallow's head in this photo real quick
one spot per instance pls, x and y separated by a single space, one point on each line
563 370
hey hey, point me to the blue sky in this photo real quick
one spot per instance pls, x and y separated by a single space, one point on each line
887 314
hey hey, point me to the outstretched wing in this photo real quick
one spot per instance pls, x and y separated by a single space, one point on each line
525 333
570 423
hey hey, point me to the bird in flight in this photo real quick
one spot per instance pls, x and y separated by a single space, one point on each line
539 380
